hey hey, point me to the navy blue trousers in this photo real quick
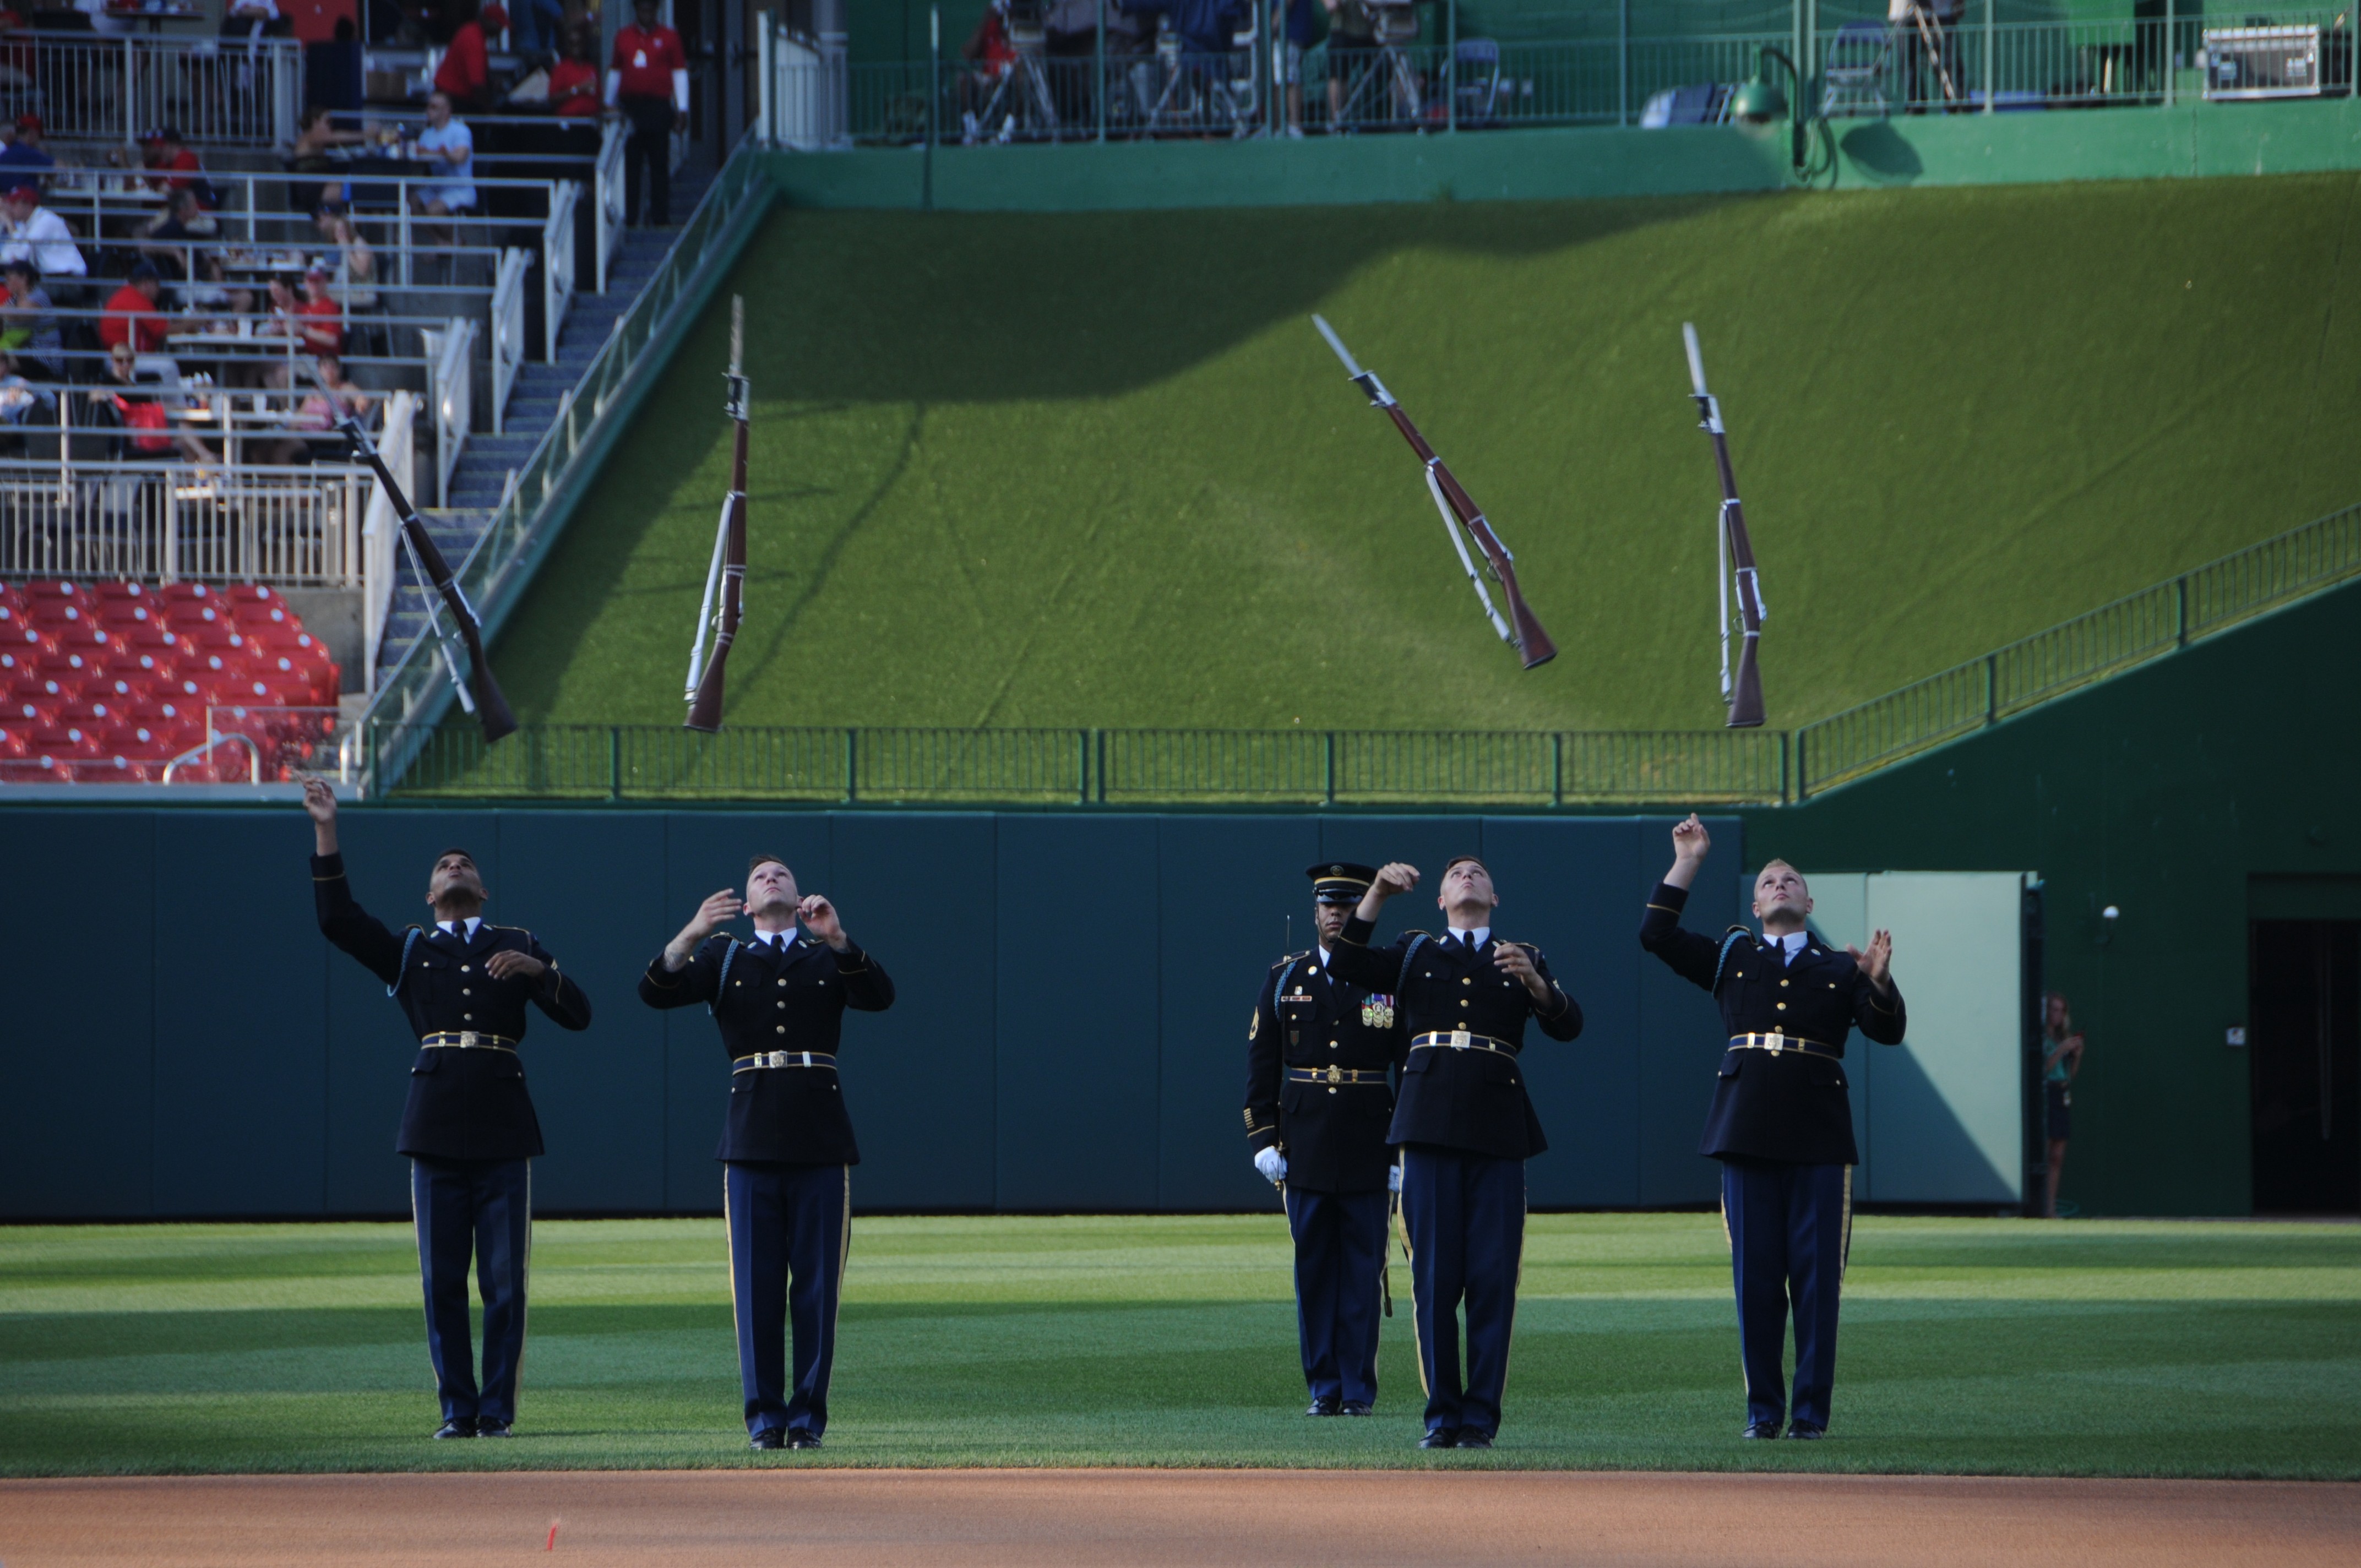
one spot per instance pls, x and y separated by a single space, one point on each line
787 1223
1790 1226
1340 1250
479 1209
1466 1215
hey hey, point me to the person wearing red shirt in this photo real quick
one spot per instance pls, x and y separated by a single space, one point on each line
466 72
131 315
649 82
174 165
320 319
573 80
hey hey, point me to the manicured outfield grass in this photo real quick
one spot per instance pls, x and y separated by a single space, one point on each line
1099 470
2107 1347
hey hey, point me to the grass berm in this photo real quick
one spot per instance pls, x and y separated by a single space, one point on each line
1098 469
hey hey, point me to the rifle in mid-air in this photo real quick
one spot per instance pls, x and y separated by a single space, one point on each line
486 700
1736 556
1533 645
727 575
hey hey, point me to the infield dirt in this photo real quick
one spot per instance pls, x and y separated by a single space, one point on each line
925 1519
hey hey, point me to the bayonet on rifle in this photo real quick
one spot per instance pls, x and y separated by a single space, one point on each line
1733 549
1459 511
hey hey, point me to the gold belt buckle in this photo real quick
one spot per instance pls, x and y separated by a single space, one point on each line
775 1058
466 1038
1335 1075
1777 1041
1461 1039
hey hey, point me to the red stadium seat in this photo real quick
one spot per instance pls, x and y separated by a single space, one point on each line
86 714
12 740
111 770
139 743
65 742
36 769
66 666
188 615
30 712
215 636
37 588
55 614
178 592
118 590
130 612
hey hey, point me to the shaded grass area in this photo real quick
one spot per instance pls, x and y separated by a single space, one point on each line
1969 1346
1098 469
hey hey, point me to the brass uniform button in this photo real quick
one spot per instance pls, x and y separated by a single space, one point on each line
1782 983
465 992
1783 1007
467 1017
783 979
1466 980
783 1028
463 969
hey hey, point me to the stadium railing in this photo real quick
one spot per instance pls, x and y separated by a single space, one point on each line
412 692
1452 80
296 527
1080 766
218 92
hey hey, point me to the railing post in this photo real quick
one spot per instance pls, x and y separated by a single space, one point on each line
1557 767
1081 767
614 761
130 92
1451 65
1098 744
852 765
934 107
1328 770
1992 688
2170 18
1801 788
1623 63
1989 5
1098 56
2180 610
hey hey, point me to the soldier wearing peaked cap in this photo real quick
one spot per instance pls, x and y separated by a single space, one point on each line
787 1149
1781 1122
1465 1126
1320 1052
469 1128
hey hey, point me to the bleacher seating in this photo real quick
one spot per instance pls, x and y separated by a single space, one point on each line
113 682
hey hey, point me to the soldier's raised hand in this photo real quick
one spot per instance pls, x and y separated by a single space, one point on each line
1690 840
319 800
717 911
1878 962
819 918
1393 877
509 964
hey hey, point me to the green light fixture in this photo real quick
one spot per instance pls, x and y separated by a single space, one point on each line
1760 101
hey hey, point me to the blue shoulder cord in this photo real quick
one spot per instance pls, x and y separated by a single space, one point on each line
1408 953
728 953
401 973
1728 942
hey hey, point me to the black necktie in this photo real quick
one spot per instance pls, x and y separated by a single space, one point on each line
459 929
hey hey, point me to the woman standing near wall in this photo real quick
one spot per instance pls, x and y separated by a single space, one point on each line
2062 1059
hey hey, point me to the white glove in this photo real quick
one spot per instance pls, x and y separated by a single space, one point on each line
1272 1164
1393 1179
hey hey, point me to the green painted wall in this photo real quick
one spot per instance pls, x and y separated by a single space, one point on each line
2165 792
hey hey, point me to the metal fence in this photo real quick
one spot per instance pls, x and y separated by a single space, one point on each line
296 527
1864 66
2090 647
218 92
1359 767
1053 767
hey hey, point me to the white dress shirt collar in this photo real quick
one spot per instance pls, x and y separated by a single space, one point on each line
1475 939
1789 945
782 940
463 929
1323 954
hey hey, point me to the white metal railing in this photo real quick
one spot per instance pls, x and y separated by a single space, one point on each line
219 92
508 330
451 351
806 92
609 193
557 265
289 527
397 443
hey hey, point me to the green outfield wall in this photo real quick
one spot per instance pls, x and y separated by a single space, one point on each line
2193 794
2192 140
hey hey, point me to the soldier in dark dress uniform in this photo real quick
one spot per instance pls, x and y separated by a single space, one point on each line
786 1143
1319 1098
1465 1126
468 1129
1781 1122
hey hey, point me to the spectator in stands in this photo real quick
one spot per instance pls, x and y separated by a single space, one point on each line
25 151
174 165
102 20
35 231
28 323
143 412
170 239
648 83
2062 1059
537 27
574 80
320 318
1352 49
132 319
446 144
1070 38
465 74
1295 27
317 415
21 402
355 264
989 56
316 139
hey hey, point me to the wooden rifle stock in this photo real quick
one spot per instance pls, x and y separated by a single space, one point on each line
1522 628
706 684
1745 692
491 704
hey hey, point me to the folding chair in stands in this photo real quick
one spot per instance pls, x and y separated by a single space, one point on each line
1020 104
1475 79
1854 72
1391 75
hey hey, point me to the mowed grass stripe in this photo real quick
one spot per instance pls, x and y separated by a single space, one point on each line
1099 470
2118 1347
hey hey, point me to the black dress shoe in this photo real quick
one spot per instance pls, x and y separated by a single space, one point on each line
767 1438
491 1428
1800 1430
1324 1407
1475 1440
1441 1437
1354 1408
1761 1429
457 1426
799 1438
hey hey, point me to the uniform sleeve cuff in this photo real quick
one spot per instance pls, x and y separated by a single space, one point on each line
852 960
659 975
327 868
1668 897
1357 931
